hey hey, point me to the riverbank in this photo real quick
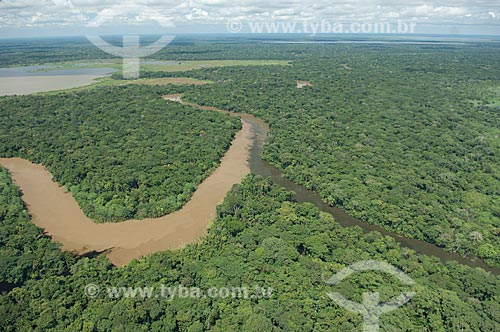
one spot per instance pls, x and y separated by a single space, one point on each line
132 239
302 194
55 210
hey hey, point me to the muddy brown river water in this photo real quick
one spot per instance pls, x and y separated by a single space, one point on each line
55 210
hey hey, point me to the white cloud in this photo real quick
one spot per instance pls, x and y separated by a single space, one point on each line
22 13
63 3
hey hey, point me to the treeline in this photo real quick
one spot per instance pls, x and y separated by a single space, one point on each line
260 237
400 136
123 152
25 251
23 52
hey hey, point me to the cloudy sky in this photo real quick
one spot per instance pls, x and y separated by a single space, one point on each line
75 17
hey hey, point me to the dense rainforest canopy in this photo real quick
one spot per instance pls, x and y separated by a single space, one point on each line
402 136
261 237
405 136
124 152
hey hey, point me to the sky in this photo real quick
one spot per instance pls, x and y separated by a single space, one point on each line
28 18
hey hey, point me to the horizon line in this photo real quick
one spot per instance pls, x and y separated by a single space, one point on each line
291 35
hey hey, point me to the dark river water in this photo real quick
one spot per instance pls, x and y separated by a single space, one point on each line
302 194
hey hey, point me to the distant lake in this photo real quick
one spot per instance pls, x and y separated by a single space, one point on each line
44 71
33 79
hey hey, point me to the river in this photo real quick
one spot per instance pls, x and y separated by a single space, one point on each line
58 213
302 194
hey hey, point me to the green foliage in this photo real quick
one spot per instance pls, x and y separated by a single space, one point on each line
123 152
48 50
25 252
406 138
268 250
395 140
